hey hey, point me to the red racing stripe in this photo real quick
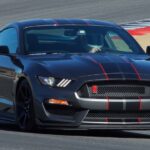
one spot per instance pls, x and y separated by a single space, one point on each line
100 66
140 108
104 72
139 120
134 69
105 75
106 120
107 104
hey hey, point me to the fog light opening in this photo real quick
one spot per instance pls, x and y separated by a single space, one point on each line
58 102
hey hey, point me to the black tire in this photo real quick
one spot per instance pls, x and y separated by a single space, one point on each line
25 115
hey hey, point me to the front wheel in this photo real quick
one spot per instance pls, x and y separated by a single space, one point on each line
24 107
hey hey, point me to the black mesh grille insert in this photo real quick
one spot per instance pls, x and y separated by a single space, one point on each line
118 91
115 90
95 116
118 115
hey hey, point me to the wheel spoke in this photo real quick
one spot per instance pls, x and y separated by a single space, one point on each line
24 107
27 92
21 116
22 93
25 120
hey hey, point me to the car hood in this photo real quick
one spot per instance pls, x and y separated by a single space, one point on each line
106 65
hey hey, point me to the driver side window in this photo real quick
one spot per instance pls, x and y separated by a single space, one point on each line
9 38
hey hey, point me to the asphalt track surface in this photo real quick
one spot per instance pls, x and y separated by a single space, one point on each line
119 11
113 10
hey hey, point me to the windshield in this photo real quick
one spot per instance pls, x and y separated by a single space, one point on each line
79 39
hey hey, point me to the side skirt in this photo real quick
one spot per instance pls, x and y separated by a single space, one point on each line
6 118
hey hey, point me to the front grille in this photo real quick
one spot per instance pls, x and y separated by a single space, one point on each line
118 91
115 90
96 116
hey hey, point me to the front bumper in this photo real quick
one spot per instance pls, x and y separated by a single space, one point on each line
75 116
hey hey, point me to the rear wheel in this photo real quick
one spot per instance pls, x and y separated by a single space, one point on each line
24 107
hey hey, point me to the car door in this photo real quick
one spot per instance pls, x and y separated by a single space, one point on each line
8 37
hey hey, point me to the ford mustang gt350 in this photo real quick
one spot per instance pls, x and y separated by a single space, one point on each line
73 73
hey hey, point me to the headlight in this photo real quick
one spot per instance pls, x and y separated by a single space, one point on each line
47 80
51 81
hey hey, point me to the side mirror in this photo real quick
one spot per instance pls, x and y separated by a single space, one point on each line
148 50
4 50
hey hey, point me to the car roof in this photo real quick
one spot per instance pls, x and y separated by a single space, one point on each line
59 22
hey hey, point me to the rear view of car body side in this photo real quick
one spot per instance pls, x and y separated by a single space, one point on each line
73 74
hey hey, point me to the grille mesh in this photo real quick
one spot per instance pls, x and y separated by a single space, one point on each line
95 116
118 115
118 91
115 90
